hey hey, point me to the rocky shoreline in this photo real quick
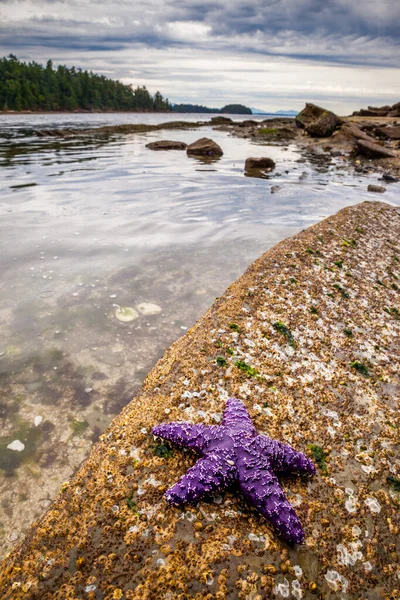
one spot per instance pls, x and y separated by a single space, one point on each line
308 338
362 141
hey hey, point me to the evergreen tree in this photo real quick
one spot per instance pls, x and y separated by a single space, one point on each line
30 86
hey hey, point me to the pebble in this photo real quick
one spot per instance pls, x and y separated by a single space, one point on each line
16 445
37 420
148 308
379 189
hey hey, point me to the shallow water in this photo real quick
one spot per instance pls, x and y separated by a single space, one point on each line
89 225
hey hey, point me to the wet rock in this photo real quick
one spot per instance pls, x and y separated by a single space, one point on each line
264 164
276 133
204 147
324 125
389 178
166 145
372 150
275 189
310 113
378 189
354 133
389 133
221 120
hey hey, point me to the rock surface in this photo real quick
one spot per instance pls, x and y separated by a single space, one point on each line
221 120
310 113
372 150
309 339
166 145
378 189
324 125
389 133
204 147
259 164
382 111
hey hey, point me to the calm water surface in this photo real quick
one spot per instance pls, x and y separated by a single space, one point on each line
92 229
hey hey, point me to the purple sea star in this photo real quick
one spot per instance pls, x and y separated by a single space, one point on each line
233 453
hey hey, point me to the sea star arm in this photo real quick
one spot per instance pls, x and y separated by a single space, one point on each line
285 459
262 489
195 437
236 415
206 476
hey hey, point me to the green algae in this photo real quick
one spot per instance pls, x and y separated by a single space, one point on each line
281 328
234 327
267 130
78 427
163 450
360 368
319 456
342 291
339 263
230 351
348 332
221 362
394 482
250 371
349 243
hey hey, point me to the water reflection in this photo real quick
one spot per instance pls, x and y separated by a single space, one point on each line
89 224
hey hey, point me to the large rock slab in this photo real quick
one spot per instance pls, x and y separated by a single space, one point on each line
372 150
310 113
166 145
204 147
309 339
389 133
325 125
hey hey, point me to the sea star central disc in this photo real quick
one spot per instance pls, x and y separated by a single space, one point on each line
234 454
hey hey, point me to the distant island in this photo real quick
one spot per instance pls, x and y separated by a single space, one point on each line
232 109
33 87
282 113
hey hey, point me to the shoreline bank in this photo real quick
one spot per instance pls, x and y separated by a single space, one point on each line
331 394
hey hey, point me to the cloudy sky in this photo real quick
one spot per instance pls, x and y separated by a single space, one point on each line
269 54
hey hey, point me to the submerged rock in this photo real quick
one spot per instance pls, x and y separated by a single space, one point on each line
204 147
166 145
148 308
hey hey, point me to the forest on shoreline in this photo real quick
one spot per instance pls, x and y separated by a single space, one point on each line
33 87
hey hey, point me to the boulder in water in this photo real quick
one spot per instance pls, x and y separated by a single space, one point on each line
204 147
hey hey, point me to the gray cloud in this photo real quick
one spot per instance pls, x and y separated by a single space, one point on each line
181 43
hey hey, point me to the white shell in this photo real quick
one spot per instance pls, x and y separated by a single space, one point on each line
126 314
16 445
148 308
